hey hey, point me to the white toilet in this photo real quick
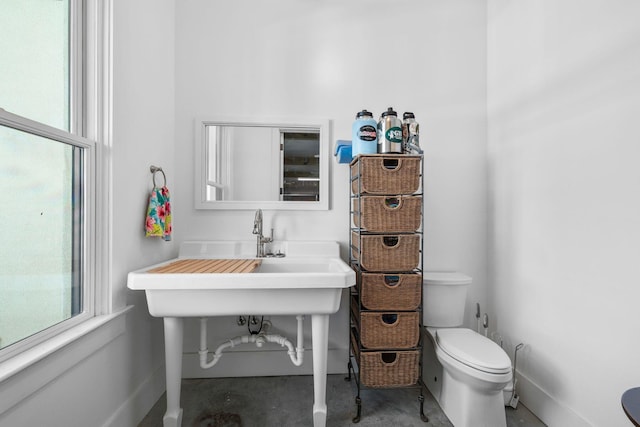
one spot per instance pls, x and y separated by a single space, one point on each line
465 371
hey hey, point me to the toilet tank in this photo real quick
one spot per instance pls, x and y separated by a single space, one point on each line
444 295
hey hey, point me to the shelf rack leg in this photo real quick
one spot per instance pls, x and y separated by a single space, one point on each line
356 419
423 417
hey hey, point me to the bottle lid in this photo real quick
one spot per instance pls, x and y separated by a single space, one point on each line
364 113
408 115
389 112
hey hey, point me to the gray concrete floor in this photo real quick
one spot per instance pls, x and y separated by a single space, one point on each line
287 401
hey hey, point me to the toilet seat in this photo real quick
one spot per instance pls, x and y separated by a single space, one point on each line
473 350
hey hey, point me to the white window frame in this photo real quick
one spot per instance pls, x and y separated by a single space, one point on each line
90 100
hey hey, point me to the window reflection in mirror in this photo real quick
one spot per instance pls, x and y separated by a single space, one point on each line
300 166
242 163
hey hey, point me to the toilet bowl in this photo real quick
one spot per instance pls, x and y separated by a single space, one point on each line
465 371
475 370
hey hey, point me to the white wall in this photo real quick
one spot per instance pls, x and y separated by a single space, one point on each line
331 59
144 96
120 382
564 102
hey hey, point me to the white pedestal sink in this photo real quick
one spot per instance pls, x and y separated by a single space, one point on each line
308 281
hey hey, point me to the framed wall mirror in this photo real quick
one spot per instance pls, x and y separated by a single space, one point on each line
262 164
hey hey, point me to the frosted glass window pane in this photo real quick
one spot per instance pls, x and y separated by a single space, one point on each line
34 64
39 273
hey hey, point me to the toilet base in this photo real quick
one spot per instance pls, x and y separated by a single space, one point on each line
462 404
465 407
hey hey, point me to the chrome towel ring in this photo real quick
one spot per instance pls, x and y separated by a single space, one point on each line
154 170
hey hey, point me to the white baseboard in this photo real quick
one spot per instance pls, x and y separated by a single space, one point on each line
549 410
261 364
140 402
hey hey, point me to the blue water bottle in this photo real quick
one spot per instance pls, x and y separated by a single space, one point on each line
364 134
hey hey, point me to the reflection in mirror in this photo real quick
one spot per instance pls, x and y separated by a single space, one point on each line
258 165
300 166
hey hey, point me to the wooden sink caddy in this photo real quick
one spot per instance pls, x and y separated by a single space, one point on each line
187 266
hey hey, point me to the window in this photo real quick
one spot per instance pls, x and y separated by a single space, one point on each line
300 166
47 171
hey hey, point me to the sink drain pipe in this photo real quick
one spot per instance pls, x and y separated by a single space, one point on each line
296 355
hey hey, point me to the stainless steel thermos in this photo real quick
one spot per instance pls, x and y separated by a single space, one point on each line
389 132
410 133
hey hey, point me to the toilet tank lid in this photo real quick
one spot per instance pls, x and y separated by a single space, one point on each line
445 278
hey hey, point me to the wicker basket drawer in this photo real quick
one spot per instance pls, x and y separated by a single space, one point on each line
386 252
390 291
388 214
389 329
385 174
389 369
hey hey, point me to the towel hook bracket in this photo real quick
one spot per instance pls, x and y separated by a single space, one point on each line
154 170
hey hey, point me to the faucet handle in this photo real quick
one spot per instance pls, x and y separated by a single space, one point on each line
268 239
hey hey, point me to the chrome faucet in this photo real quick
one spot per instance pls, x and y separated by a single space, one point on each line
260 239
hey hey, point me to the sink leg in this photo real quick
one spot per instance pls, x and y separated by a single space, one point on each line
173 336
320 338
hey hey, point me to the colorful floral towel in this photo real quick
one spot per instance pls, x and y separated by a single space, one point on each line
159 214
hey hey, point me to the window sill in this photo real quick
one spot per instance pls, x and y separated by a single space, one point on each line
17 382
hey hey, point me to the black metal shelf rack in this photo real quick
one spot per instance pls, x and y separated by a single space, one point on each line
357 351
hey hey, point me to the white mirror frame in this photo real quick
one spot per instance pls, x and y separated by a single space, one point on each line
201 201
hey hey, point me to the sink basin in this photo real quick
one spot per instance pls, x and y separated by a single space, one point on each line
309 280
306 282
